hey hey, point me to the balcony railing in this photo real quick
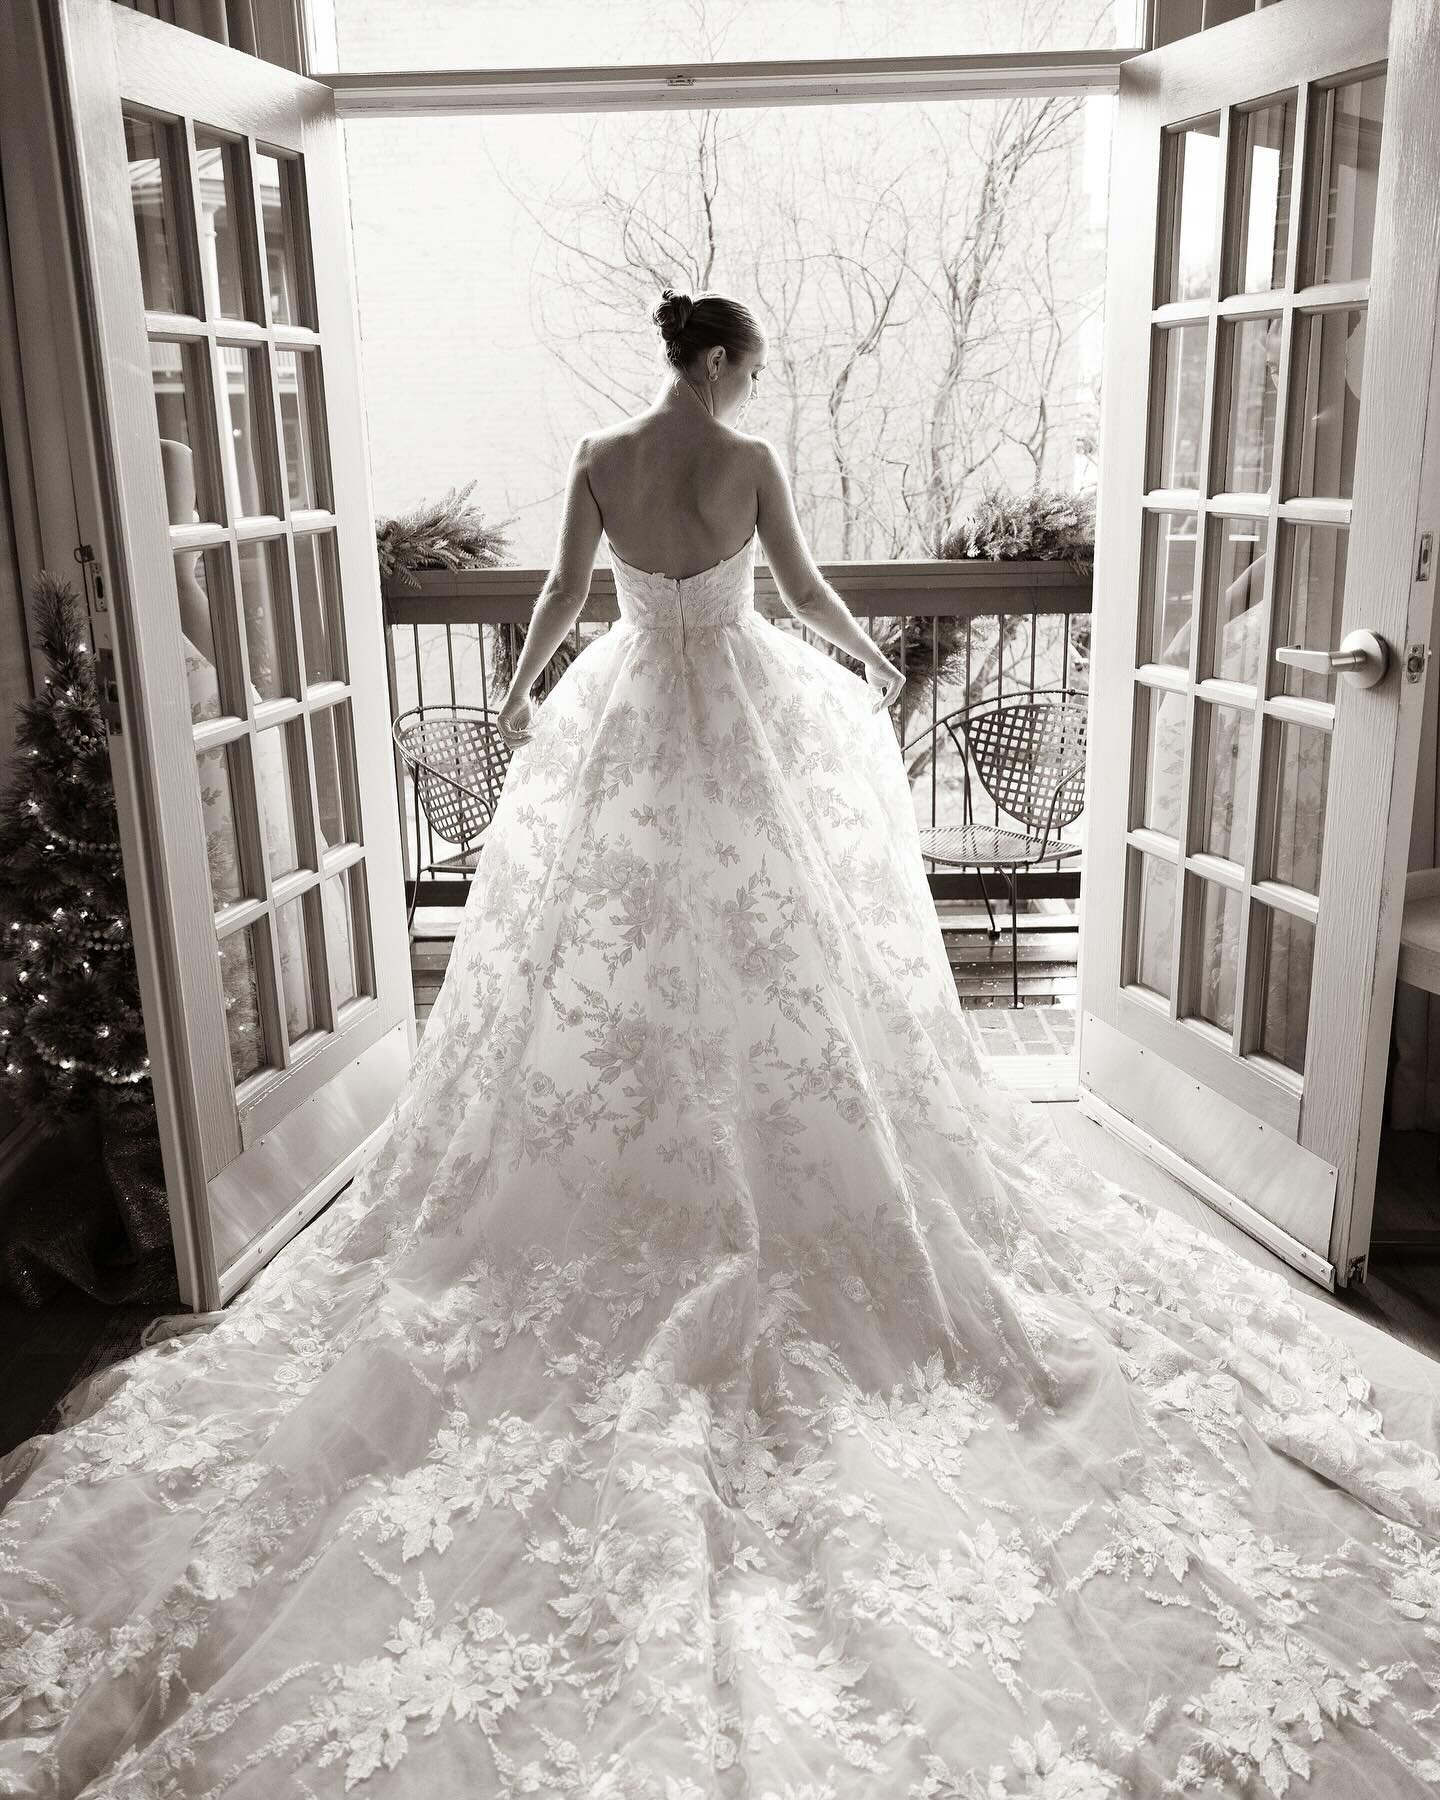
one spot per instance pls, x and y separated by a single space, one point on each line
1005 628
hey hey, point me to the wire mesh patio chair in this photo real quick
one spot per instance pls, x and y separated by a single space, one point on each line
1028 753
457 760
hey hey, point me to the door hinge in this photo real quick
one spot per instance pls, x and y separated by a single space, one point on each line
1416 658
1422 561
1355 1268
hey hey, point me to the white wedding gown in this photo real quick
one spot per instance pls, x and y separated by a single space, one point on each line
717 1386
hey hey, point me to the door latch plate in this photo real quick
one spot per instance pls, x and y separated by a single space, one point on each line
107 689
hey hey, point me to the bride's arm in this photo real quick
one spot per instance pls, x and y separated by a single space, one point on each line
566 586
802 587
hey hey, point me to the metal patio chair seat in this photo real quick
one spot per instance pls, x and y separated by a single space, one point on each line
457 760
1029 756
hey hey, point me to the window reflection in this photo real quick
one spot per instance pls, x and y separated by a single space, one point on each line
1263 226
1234 598
152 202
1254 367
1351 124
220 171
245 440
1329 370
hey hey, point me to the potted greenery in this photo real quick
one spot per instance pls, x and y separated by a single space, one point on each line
452 533
1039 524
449 533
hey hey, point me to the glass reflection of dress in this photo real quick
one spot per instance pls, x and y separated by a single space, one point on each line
218 802
1240 641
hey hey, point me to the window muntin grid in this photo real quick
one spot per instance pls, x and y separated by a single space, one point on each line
243 439
1230 762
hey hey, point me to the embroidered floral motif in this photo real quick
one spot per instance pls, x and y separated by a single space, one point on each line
715 1384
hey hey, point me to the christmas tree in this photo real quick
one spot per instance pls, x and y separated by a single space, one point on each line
72 1038
70 1022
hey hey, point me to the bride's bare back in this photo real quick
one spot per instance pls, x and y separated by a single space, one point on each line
675 496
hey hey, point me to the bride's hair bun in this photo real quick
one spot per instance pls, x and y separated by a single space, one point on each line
689 327
673 314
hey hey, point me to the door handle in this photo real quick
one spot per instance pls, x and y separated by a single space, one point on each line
1363 658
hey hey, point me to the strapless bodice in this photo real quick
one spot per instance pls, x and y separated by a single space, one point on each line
720 595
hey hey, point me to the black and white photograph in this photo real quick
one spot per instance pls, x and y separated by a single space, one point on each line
719 900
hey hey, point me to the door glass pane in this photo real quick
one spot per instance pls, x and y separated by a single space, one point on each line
1234 599
1311 596
1266 150
1252 358
182 412
301 410
344 935
1325 417
265 602
1349 139
297 971
1181 352
1153 887
1225 733
1195 175
245 432
218 814
1284 949
1213 955
334 774
152 201
244 1022
284 791
221 170
1169 564
319 579
202 582
1162 735
277 217
1297 779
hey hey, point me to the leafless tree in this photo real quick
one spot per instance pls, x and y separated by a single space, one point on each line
920 289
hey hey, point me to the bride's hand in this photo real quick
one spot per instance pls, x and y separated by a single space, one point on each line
514 718
883 674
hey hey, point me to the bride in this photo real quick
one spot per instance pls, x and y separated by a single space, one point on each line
716 1385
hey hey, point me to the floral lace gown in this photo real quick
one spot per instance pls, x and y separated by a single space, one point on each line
716 1385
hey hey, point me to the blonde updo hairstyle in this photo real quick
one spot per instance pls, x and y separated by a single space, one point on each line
688 328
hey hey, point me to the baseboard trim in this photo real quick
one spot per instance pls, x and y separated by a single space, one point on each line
1254 1224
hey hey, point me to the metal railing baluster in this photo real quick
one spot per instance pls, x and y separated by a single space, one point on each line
493 624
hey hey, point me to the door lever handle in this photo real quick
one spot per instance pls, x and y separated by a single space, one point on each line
1363 658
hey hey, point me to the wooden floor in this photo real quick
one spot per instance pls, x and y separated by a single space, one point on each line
45 1350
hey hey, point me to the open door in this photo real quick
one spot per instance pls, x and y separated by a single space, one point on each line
238 623
1268 501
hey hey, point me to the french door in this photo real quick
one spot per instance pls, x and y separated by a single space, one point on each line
1268 500
239 620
